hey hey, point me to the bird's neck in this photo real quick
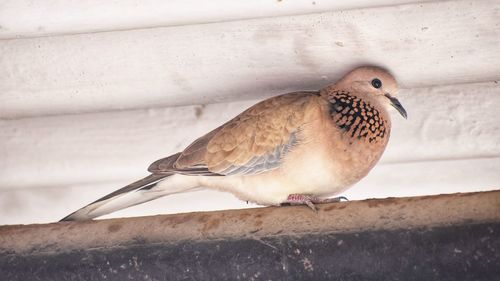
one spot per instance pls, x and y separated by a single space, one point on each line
359 118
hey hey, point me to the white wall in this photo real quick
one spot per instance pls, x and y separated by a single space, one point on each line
84 114
423 44
58 17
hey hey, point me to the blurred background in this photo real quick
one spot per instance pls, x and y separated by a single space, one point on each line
92 92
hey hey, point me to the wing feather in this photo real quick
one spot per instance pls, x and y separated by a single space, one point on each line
253 142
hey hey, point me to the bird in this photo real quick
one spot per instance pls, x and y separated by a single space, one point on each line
299 148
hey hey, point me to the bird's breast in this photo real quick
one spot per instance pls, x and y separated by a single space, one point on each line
338 148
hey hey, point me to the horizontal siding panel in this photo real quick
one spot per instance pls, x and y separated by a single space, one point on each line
424 44
445 122
25 18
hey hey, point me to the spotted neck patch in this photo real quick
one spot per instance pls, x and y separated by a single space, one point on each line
357 118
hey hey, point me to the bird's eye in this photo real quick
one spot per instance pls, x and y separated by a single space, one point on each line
376 83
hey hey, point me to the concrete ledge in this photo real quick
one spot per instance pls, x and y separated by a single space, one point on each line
344 217
446 237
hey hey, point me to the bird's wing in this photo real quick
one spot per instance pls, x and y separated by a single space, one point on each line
253 142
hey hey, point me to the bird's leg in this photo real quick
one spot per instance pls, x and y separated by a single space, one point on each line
309 200
301 199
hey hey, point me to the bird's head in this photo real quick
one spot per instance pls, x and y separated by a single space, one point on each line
373 83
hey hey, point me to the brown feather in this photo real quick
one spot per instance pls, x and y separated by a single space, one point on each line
263 130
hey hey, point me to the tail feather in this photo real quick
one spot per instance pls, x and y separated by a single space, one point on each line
133 194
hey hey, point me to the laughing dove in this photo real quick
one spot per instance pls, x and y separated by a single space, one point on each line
296 148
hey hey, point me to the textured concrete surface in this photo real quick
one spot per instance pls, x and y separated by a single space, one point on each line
391 213
448 237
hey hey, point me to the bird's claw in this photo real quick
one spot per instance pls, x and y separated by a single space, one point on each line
332 200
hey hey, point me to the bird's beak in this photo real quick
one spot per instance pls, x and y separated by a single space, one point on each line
397 105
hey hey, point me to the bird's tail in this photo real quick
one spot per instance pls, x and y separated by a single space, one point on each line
138 192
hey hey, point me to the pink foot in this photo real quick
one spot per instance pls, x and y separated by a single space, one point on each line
309 200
